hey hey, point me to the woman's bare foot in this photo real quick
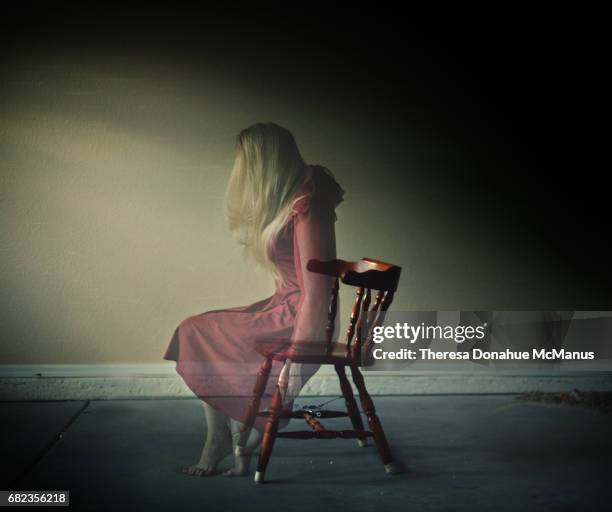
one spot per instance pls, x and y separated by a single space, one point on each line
215 450
242 462
241 466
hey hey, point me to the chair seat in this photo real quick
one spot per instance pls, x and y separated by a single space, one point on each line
306 352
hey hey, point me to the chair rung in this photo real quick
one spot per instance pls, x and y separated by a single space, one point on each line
325 434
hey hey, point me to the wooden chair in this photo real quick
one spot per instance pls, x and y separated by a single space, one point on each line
366 274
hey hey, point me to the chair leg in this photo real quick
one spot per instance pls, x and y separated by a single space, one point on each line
253 407
351 403
269 435
375 425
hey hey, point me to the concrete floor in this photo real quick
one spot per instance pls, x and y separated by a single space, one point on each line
463 453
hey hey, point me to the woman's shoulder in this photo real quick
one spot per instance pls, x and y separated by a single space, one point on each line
321 190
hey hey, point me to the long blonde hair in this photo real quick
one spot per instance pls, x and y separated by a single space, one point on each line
264 184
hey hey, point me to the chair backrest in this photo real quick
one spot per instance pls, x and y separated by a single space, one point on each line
366 274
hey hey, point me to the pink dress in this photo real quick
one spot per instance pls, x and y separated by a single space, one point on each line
214 350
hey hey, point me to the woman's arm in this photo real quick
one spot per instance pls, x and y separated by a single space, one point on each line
314 238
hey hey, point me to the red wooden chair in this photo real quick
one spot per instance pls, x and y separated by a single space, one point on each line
366 274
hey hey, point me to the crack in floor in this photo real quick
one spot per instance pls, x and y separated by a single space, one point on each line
49 446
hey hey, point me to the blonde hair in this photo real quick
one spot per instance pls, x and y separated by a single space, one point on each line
263 186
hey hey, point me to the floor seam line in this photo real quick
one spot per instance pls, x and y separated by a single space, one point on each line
49 445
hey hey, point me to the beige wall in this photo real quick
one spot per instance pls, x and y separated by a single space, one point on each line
112 182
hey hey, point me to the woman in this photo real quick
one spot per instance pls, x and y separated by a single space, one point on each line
282 210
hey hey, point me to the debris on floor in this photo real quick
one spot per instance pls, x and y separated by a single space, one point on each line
600 400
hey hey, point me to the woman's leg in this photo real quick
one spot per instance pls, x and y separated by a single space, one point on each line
218 443
243 459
